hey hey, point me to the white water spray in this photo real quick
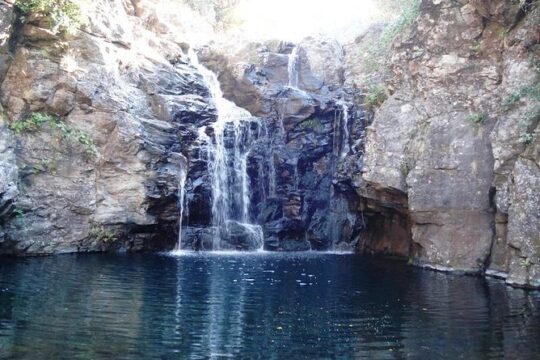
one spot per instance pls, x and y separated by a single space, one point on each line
182 195
292 68
272 176
228 167
345 148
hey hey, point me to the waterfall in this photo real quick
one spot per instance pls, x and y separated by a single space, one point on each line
345 130
245 188
182 195
227 155
272 176
292 68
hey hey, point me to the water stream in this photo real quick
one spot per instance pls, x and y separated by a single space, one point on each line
345 130
293 68
181 200
228 143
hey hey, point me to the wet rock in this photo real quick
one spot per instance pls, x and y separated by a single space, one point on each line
238 236
8 177
199 239
291 165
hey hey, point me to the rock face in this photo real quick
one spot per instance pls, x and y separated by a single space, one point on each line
452 157
100 125
301 136
102 172
98 128
7 21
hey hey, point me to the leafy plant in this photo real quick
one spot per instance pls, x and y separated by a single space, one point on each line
526 138
42 166
530 91
375 96
36 121
87 142
31 124
63 15
526 263
314 124
477 118
99 232
18 213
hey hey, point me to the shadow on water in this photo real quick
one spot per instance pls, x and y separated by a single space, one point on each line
265 305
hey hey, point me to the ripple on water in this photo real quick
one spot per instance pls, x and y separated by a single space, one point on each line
258 305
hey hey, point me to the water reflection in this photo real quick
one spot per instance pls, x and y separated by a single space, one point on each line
269 306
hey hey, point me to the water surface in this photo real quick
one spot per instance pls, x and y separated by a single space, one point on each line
271 306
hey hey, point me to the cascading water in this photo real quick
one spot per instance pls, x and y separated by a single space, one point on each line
345 130
272 176
181 200
292 68
227 150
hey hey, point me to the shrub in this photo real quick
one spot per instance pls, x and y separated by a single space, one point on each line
477 118
375 51
526 138
33 123
100 233
64 15
375 96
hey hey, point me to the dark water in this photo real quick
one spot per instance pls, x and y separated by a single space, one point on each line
260 306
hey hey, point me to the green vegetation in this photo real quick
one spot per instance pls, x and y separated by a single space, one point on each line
527 122
375 96
529 94
314 124
529 91
41 166
31 124
409 12
224 11
477 118
527 137
477 48
37 121
100 233
63 15
375 52
526 263
21 219
19 214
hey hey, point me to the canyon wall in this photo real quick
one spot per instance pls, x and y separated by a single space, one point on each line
452 156
89 134
97 128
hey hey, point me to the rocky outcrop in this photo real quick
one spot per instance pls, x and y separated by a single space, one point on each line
8 177
7 22
94 123
300 137
97 128
453 153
